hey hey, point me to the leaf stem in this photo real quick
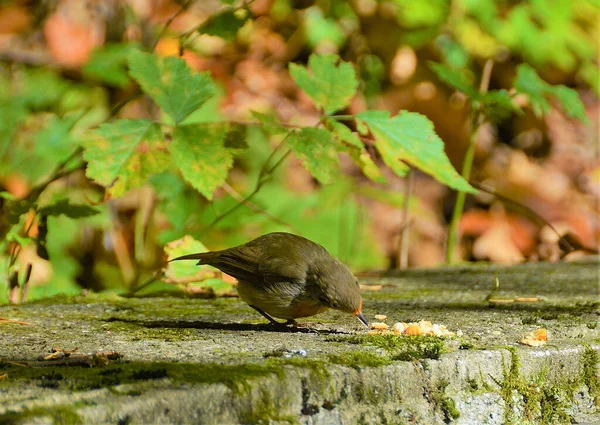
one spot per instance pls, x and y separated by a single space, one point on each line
477 118
263 176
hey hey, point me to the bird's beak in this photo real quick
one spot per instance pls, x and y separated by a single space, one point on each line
361 317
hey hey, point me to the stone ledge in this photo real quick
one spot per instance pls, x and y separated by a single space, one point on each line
216 362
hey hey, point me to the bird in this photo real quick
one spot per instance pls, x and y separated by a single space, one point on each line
287 276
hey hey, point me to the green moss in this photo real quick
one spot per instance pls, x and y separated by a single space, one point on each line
539 402
60 415
266 408
83 379
444 403
358 359
590 360
401 347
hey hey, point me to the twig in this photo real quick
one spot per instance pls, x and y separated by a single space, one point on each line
183 8
210 18
263 177
477 119
405 230
235 195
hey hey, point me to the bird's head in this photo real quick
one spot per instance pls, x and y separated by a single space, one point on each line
340 289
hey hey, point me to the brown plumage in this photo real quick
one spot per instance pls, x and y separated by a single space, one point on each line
287 276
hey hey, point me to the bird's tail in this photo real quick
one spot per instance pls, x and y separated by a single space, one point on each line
202 257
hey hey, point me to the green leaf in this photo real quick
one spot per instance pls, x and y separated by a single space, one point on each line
329 85
186 271
42 89
315 149
13 113
351 144
225 24
269 123
529 82
411 137
55 143
199 152
109 64
171 84
64 207
570 102
123 154
454 78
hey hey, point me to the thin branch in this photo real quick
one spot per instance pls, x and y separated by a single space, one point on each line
477 119
405 230
263 177
183 8
235 195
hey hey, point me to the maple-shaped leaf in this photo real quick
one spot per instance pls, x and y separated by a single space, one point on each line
171 83
200 153
529 82
331 85
316 151
410 137
123 154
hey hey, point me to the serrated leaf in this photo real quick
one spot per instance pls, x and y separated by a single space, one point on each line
529 82
109 64
353 146
454 78
171 84
124 154
411 137
315 149
225 24
269 123
199 152
64 207
329 84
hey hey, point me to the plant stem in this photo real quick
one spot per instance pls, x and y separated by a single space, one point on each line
477 118
405 230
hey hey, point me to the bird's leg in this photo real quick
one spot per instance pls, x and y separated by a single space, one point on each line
270 319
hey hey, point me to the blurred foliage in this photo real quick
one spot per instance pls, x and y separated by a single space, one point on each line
106 160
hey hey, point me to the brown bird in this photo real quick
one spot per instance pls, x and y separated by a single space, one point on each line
287 276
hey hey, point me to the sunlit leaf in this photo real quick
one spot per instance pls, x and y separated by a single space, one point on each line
411 137
329 84
315 148
529 82
64 207
199 152
269 123
171 83
123 154
186 271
